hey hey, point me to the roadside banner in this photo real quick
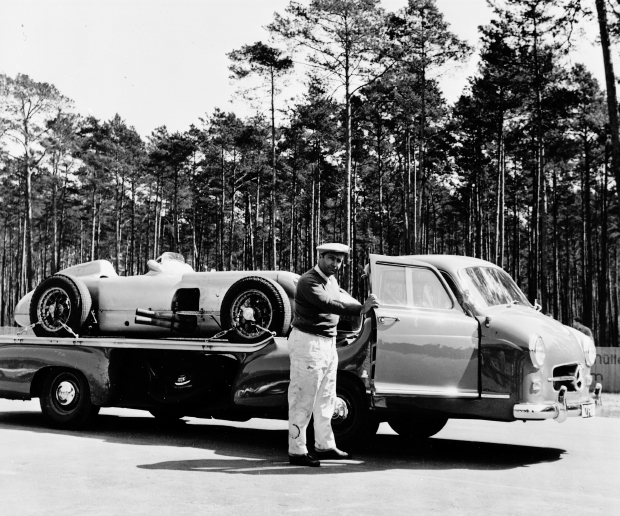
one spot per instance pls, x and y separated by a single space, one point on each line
606 369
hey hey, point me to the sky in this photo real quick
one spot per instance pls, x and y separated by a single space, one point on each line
157 62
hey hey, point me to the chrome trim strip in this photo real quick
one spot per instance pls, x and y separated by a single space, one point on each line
499 396
181 345
430 394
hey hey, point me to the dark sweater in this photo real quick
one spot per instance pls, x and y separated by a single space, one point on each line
318 305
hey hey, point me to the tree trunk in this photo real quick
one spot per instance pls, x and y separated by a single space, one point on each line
220 262
347 277
407 187
588 258
175 211
499 215
55 250
273 177
603 270
612 100
231 229
556 290
93 231
311 235
28 224
3 281
380 178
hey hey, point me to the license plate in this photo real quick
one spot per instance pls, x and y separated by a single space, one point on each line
588 410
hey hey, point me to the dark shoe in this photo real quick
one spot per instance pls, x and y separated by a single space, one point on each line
304 460
333 454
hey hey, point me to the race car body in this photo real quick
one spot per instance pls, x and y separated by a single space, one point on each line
169 300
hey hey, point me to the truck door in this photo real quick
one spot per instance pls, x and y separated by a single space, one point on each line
426 344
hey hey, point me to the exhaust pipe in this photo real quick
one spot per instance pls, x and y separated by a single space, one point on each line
184 324
165 316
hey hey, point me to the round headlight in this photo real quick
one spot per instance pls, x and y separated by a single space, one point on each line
537 351
589 350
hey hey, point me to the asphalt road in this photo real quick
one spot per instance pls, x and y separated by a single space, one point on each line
129 464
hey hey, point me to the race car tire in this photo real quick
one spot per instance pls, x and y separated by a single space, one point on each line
352 423
65 399
411 427
260 299
59 302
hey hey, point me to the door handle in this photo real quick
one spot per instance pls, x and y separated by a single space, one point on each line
383 319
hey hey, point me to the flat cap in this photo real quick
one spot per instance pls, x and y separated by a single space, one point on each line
333 247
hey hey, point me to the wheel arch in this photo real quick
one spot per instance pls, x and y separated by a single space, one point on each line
353 379
97 394
93 366
363 425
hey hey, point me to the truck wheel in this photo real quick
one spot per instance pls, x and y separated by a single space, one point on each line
352 422
65 399
255 301
57 303
411 427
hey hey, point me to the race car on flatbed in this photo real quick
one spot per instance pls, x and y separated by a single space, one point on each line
454 337
169 300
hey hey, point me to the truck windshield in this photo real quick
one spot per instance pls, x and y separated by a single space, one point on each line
489 286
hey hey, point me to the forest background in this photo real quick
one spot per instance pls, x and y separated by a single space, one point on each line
521 170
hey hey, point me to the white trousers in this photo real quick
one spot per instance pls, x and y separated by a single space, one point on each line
312 391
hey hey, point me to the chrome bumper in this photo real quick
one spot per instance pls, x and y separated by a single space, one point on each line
558 410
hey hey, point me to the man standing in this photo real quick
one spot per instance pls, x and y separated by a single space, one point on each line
314 360
578 325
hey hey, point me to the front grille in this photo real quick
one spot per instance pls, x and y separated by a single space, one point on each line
568 375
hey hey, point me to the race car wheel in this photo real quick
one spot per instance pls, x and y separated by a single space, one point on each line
411 427
253 303
58 304
65 399
352 423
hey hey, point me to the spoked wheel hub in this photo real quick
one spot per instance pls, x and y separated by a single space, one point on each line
252 305
54 309
252 309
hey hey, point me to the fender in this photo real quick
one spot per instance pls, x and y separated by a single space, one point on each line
264 376
20 378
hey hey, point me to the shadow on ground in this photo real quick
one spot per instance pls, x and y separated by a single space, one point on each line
253 451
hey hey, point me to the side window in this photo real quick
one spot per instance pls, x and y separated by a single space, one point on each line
411 287
428 292
467 308
453 287
392 285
